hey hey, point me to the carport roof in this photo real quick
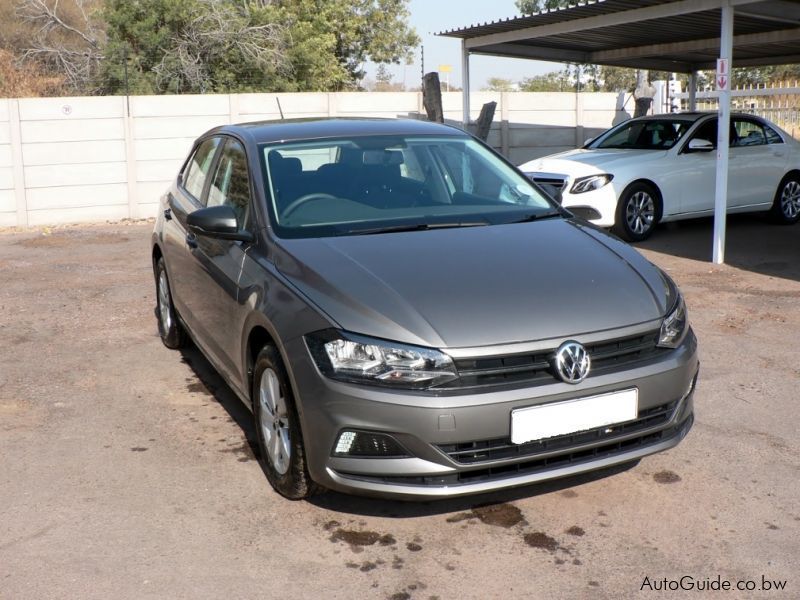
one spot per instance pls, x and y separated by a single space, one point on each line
677 35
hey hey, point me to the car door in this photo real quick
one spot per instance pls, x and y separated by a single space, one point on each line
756 167
697 171
217 264
186 196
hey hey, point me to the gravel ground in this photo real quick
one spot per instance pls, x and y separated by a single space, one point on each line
126 469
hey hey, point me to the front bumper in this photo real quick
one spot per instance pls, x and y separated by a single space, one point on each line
597 206
436 429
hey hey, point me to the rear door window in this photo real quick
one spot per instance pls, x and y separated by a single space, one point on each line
194 176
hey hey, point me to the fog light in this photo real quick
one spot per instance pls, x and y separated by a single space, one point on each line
368 445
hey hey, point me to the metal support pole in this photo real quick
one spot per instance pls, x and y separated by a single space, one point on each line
693 91
465 83
723 138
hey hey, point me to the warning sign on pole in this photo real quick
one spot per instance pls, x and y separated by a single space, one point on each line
723 76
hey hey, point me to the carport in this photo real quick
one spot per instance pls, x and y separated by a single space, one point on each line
684 36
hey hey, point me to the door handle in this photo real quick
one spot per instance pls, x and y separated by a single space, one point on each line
191 240
168 214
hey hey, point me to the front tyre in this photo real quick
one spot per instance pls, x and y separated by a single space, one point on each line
280 441
169 327
786 206
638 212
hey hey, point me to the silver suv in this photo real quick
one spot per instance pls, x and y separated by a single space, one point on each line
407 315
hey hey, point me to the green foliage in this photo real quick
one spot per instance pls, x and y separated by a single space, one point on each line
554 81
529 7
498 84
251 45
761 76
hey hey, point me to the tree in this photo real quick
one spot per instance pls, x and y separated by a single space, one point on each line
331 40
190 46
246 45
498 84
554 81
529 7
59 39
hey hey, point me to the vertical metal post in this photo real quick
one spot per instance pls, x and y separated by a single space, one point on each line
465 83
723 138
693 91
127 86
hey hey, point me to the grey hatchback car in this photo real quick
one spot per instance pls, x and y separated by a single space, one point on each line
408 316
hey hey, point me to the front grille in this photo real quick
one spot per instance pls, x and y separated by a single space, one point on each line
551 183
606 356
502 448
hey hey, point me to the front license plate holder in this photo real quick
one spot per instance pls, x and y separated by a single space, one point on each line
573 416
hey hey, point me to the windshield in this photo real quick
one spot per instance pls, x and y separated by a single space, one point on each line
377 184
649 134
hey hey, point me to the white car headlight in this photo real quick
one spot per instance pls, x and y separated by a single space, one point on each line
674 326
359 359
590 183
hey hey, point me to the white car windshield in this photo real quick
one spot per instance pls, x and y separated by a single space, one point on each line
649 134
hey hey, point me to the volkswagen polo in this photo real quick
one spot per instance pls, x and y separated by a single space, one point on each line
407 315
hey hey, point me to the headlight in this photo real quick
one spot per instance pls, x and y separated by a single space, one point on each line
359 359
675 325
590 183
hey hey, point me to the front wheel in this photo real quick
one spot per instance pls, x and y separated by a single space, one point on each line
169 327
638 212
280 441
786 206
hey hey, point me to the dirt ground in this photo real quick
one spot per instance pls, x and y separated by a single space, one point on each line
126 470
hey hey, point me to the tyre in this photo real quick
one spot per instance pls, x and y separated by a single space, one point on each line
638 212
169 326
280 441
786 206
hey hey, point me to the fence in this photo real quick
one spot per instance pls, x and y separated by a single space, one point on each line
107 158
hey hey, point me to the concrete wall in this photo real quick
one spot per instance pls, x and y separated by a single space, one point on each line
106 158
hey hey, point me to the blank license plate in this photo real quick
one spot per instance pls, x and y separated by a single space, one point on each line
572 416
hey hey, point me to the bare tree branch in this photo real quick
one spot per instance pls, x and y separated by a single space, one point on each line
71 47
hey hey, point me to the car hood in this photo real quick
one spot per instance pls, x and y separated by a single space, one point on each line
582 162
477 286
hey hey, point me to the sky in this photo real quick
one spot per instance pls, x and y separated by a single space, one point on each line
431 16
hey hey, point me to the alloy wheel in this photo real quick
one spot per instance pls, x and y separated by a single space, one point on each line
640 212
164 301
790 199
274 421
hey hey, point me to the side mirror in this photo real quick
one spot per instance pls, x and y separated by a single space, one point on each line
700 145
218 222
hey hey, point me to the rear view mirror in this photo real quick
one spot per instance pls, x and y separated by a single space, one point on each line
383 157
700 145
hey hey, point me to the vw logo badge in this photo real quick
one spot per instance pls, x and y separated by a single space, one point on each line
572 362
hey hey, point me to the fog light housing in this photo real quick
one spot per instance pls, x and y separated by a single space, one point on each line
368 444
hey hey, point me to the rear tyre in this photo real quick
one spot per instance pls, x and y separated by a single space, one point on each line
786 206
638 212
280 441
169 326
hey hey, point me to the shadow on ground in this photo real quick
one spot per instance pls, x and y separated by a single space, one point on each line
363 506
752 243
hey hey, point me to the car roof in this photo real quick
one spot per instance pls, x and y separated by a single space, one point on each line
262 132
694 116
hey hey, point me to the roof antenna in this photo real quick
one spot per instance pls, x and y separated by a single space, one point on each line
280 110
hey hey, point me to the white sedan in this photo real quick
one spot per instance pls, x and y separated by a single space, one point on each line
663 168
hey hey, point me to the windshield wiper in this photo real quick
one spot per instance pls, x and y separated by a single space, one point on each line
527 218
414 227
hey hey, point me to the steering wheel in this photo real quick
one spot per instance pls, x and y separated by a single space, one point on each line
294 205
